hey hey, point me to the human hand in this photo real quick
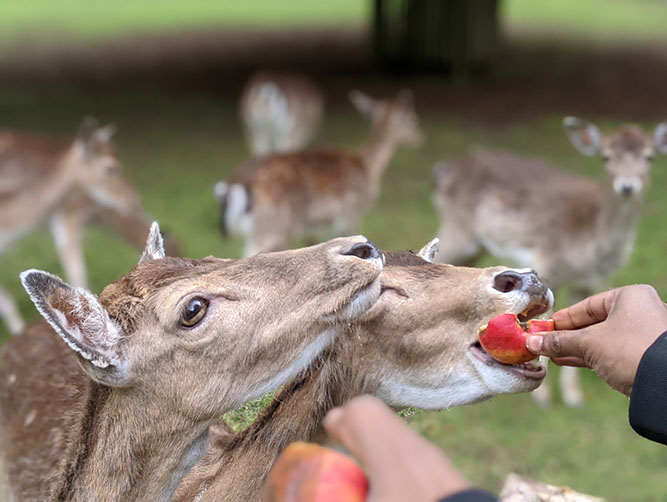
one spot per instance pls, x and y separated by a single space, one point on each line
399 463
608 332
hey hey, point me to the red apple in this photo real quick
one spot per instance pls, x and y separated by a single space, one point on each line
306 472
504 338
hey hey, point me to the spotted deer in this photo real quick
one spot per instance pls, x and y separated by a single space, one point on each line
574 231
281 112
275 199
120 410
67 184
417 346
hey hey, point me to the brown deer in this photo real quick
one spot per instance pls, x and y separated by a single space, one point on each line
417 346
67 184
120 411
273 200
281 112
574 231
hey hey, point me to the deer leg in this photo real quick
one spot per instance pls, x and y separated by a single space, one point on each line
570 384
67 230
457 245
10 313
542 395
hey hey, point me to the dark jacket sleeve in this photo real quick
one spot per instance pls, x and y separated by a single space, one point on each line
470 496
648 400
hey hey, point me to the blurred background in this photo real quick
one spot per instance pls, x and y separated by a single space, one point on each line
491 73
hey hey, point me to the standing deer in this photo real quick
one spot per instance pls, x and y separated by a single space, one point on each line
417 346
120 411
273 200
68 185
281 112
573 231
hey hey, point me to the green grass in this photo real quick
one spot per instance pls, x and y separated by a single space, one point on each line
175 147
607 20
79 19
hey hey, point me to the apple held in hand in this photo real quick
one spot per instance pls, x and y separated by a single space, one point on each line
504 338
306 472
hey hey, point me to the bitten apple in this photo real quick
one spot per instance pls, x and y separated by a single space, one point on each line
504 338
306 472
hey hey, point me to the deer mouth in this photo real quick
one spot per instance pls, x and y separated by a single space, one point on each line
532 370
361 301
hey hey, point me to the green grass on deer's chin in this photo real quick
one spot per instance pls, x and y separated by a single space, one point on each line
176 155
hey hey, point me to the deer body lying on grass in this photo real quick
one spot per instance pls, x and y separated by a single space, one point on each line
573 231
273 200
417 346
68 185
161 354
281 112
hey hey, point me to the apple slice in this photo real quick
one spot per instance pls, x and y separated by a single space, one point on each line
306 472
504 338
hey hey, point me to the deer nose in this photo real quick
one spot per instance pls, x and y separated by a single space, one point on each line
364 250
512 280
627 190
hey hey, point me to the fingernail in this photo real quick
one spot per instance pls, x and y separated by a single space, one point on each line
534 344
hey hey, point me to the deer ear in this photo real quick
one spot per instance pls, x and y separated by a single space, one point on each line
428 252
104 134
584 136
79 318
154 245
660 138
362 102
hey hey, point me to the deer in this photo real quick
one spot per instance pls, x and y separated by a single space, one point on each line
416 346
574 231
273 200
111 397
67 184
281 112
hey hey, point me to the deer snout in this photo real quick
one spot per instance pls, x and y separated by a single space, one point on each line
364 250
539 297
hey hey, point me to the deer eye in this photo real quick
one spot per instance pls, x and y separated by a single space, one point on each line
193 312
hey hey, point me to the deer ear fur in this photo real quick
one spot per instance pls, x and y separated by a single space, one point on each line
362 102
584 136
428 252
154 245
81 321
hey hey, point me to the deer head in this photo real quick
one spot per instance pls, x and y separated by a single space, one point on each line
96 171
204 336
396 117
418 343
627 153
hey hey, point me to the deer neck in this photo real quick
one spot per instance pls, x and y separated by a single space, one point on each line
618 217
376 153
236 465
130 449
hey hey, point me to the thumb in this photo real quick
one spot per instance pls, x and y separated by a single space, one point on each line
558 344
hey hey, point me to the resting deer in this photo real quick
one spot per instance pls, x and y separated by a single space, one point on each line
281 112
417 346
120 411
573 231
272 200
67 184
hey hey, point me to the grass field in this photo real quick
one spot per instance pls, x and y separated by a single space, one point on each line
39 21
174 148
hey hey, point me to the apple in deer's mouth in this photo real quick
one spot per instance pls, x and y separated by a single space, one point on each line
504 338
307 472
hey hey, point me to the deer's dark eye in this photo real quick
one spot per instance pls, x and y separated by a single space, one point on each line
194 311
